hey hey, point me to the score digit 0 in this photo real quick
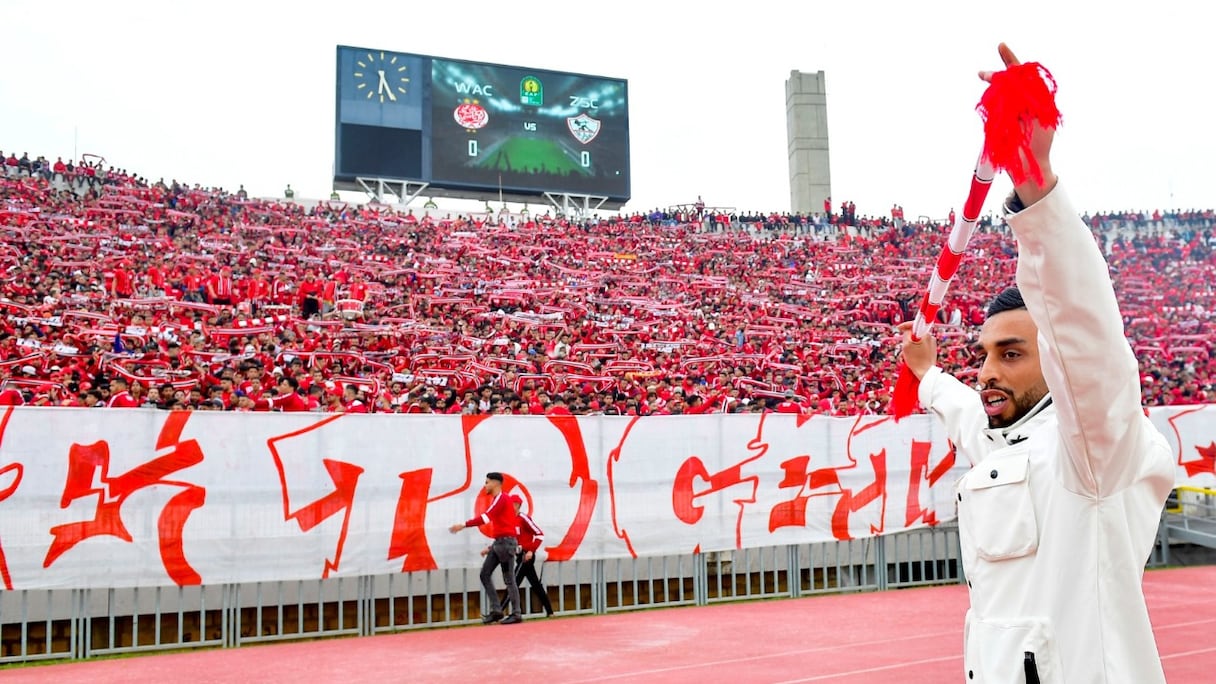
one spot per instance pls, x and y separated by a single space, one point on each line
473 148
585 159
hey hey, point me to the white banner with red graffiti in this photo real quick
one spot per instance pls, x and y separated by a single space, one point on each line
113 498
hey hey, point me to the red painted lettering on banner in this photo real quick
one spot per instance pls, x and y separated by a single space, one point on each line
850 502
6 492
798 474
88 463
792 513
408 538
614 457
345 477
921 472
580 476
685 492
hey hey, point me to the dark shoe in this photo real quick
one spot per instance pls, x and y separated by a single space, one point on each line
513 619
548 613
491 618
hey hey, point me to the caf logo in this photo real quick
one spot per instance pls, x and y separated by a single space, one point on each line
531 92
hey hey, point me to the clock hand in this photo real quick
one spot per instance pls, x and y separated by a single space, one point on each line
384 88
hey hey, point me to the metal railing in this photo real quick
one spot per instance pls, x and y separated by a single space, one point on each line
1189 518
86 623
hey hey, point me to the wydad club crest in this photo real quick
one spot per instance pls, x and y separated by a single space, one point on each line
583 128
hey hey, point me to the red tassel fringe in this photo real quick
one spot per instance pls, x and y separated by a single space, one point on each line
1015 99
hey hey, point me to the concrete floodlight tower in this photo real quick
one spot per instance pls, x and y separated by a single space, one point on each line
806 123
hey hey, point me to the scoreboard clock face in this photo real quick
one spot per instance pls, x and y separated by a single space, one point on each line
379 75
481 127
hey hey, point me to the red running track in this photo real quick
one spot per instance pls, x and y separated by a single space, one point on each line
909 636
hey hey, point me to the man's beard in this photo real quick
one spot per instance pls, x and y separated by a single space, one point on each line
1022 404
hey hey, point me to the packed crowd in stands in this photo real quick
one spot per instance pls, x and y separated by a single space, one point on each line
122 292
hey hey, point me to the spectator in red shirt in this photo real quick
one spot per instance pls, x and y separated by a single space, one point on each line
329 295
504 527
280 290
124 281
358 289
351 403
288 399
789 404
154 276
257 292
310 296
192 284
697 406
219 288
558 407
120 397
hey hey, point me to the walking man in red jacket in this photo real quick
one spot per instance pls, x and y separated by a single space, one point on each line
530 539
503 522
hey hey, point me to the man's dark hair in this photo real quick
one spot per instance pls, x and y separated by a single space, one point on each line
1008 300
494 476
295 384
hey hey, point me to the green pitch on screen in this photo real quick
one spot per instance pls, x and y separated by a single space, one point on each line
530 155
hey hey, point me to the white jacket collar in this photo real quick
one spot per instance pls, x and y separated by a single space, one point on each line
1021 430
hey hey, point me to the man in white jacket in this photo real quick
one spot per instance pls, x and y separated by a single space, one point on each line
1059 511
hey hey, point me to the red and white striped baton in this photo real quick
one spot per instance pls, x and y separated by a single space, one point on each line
904 400
1016 99
950 258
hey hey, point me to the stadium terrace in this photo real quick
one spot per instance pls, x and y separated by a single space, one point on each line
181 297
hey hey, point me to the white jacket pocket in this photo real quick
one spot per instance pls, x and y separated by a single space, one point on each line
996 510
996 651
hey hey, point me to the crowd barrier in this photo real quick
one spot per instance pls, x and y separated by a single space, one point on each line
173 530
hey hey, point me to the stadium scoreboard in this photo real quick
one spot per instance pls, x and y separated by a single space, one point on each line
479 130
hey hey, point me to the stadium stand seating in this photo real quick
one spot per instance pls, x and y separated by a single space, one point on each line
205 299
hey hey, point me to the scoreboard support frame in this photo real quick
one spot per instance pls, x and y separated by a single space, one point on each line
405 191
565 203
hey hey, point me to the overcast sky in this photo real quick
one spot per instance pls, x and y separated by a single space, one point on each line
225 93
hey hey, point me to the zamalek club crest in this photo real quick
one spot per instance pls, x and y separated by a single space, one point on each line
583 128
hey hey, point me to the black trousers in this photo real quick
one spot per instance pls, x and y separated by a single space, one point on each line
526 569
502 553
